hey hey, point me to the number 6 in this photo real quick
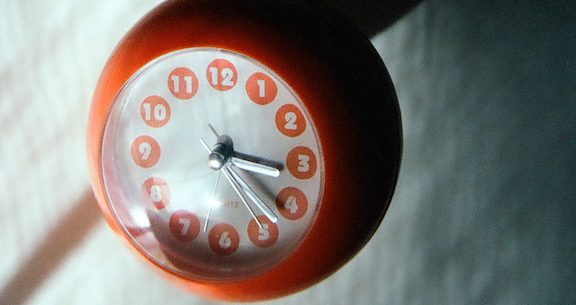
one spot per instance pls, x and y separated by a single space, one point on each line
224 241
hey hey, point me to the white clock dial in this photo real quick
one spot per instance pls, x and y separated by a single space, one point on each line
211 164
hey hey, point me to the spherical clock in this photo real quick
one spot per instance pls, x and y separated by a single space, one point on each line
246 148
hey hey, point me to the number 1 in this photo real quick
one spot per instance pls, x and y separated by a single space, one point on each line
261 88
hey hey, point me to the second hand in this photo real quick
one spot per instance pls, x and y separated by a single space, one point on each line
238 188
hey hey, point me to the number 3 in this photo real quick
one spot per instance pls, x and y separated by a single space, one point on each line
303 163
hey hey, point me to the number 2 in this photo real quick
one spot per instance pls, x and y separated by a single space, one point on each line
290 118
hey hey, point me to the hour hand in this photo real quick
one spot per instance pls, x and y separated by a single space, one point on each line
255 167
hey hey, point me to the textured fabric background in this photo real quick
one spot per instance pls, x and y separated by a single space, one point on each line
484 209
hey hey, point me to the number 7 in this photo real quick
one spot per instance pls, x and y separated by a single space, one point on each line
185 222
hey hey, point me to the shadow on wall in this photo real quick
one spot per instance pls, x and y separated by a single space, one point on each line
372 16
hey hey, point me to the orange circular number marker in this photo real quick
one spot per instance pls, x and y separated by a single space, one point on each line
145 151
221 74
155 111
292 203
182 83
223 239
290 121
264 234
184 225
158 192
242 153
261 88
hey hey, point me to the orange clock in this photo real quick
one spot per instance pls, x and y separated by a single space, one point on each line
246 148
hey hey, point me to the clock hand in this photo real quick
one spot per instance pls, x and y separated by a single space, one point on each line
254 167
223 152
218 161
213 130
211 205
252 195
235 185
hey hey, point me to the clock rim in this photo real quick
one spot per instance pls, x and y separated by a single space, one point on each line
297 56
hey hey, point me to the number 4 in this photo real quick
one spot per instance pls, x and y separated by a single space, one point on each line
291 204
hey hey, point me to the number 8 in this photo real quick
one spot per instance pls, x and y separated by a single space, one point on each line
156 193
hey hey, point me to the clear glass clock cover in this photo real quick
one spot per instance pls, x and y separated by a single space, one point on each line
202 221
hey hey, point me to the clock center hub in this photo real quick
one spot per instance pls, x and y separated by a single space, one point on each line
221 153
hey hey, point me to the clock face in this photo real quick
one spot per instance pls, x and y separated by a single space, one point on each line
211 165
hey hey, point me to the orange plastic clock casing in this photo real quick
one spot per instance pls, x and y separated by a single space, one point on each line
346 90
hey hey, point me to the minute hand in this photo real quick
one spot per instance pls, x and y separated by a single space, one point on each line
253 196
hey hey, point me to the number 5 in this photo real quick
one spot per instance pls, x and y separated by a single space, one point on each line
263 232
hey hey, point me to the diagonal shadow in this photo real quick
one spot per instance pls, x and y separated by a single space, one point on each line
372 16
57 245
